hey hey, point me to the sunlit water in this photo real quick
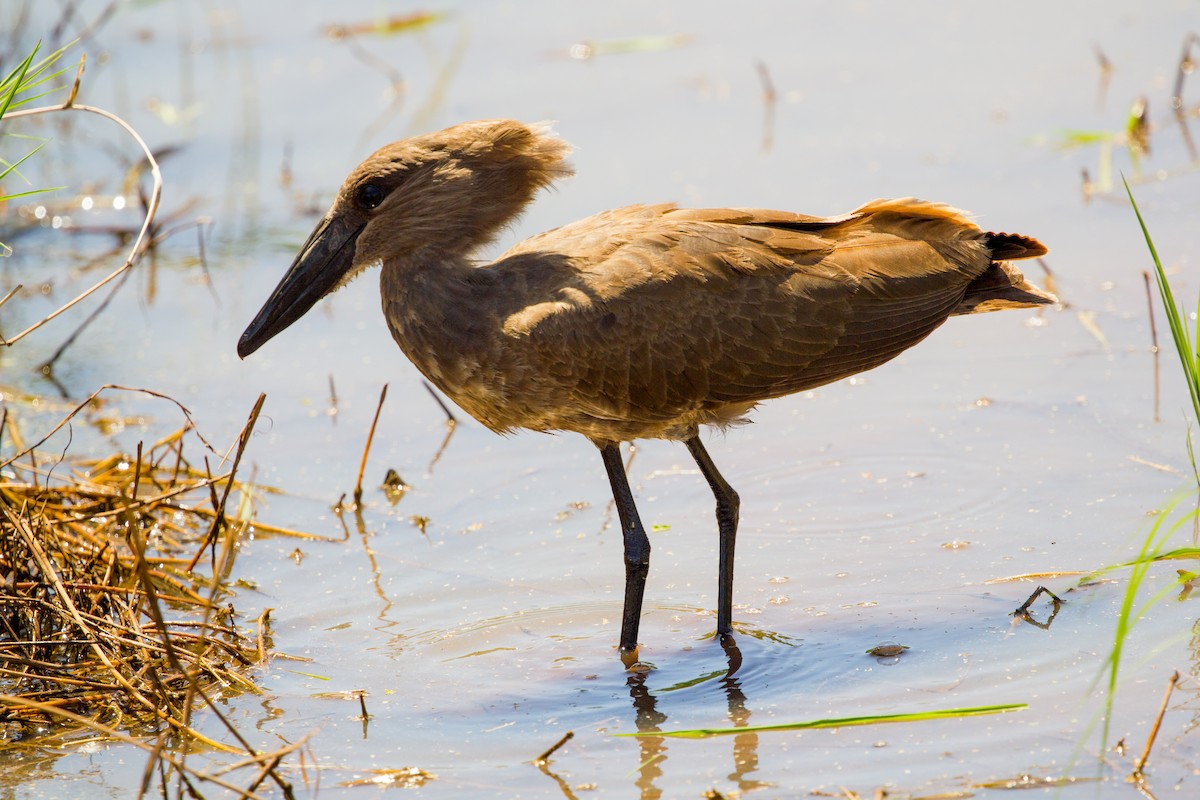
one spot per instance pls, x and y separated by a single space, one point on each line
873 511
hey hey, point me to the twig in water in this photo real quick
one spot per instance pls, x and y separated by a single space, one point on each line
395 79
219 521
1139 777
285 168
1038 592
544 757
451 420
1153 340
362 467
47 366
86 401
8 296
203 224
1023 611
451 425
770 98
264 630
1186 65
1105 77
220 569
563 786
51 709
332 411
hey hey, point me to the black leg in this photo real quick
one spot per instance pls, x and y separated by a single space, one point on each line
728 504
637 546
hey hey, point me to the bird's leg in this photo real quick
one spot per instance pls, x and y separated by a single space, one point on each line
637 546
727 522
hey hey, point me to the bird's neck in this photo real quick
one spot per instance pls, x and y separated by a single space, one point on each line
435 307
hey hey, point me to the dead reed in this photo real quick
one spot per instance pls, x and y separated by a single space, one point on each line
105 627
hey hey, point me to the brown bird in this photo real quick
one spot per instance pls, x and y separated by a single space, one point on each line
641 322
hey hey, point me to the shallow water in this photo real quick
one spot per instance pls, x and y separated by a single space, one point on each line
874 510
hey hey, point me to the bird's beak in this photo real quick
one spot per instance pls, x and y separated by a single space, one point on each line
325 259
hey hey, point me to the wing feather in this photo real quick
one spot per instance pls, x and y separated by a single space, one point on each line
669 315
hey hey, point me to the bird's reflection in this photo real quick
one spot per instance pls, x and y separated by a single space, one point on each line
745 745
649 719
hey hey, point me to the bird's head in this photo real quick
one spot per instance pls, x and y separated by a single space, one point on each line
441 195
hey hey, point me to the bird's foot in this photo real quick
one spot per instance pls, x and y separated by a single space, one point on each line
629 657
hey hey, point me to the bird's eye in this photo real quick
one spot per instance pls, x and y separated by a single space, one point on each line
369 196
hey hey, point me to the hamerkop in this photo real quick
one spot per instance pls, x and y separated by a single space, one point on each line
642 322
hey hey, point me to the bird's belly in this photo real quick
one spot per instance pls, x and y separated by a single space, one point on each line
504 408
506 389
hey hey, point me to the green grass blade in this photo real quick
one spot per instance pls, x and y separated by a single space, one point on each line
28 75
30 98
1179 331
1178 553
37 69
1070 138
1150 554
838 722
33 79
11 88
18 70
1194 353
8 168
1192 458
14 196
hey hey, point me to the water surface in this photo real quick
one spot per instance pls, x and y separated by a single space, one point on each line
874 510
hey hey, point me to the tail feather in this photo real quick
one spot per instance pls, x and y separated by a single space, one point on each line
1002 286
1012 246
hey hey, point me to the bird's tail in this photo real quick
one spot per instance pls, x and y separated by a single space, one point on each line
1003 285
1013 246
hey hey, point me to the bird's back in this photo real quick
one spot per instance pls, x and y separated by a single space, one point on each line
648 321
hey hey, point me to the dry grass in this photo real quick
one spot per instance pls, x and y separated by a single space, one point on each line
106 627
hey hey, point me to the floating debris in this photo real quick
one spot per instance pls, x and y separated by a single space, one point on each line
394 487
387 26
887 650
591 48
404 777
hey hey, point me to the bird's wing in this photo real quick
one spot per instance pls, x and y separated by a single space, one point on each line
681 310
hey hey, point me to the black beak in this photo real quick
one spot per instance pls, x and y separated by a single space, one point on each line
325 258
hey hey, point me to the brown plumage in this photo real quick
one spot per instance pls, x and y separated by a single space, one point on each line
641 322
